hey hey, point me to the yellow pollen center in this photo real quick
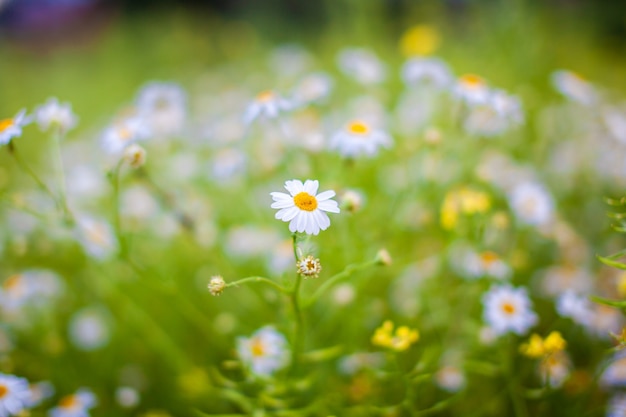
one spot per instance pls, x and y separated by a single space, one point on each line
488 257
305 201
3 391
310 265
257 348
472 80
358 128
508 308
265 96
125 133
12 282
5 124
68 401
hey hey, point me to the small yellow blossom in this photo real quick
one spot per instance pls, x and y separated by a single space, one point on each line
420 40
462 201
542 348
403 338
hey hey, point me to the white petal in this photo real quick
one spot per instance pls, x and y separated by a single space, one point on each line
329 205
322 219
311 186
276 196
301 222
325 195
294 187
282 204
293 225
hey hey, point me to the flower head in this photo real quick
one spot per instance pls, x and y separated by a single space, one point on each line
15 395
359 138
135 155
303 208
75 405
265 352
217 285
309 267
163 106
123 133
399 341
542 348
471 89
420 40
57 115
508 309
266 104
12 128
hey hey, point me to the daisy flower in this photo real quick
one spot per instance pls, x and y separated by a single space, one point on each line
358 138
265 352
303 208
12 128
532 203
616 406
123 133
574 87
15 395
362 65
266 104
163 105
313 88
427 71
471 89
57 115
75 405
96 237
508 309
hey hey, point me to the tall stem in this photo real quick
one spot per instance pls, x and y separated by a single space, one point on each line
61 174
115 182
294 296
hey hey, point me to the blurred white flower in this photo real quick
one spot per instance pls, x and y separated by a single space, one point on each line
88 329
362 65
55 115
432 72
532 203
12 128
450 378
313 88
614 374
577 307
358 138
96 237
555 369
497 114
127 397
561 278
163 108
248 241
15 395
471 90
617 405
356 362
508 309
265 352
574 87
124 132
75 405
266 104
303 208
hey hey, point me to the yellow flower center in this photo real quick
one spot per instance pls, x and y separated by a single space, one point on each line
472 80
3 391
257 348
68 401
305 201
488 257
5 124
358 128
125 133
265 96
12 282
508 308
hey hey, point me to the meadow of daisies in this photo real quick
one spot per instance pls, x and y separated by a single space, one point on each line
344 230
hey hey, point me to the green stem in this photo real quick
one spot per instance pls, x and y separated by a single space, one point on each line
519 406
259 279
13 151
115 182
299 325
61 173
349 270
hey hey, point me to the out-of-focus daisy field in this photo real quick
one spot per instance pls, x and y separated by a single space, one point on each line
336 208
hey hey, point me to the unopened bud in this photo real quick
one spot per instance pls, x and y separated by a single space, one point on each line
383 257
217 285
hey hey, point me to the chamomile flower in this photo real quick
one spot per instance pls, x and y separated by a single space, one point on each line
575 306
163 107
12 128
75 405
303 208
617 406
431 72
359 138
508 309
362 65
267 104
313 88
471 89
309 267
15 395
123 133
532 203
96 237
56 115
574 87
450 378
265 352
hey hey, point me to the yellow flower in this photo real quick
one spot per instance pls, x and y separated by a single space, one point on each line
420 40
403 338
543 348
463 200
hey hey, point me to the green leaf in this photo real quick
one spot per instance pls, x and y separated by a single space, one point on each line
610 262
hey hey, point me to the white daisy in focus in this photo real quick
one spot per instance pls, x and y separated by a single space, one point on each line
55 115
15 395
532 203
432 72
471 89
265 352
574 87
75 405
96 237
508 309
12 128
163 107
266 104
362 65
123 133
358 138
303 208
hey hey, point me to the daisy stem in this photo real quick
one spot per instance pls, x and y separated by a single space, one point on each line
295 302
349 270
61 173
115 182
258 279
13 151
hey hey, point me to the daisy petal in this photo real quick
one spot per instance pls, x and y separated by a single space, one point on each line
325 195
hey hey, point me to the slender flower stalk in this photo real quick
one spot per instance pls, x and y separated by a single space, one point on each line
56 139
